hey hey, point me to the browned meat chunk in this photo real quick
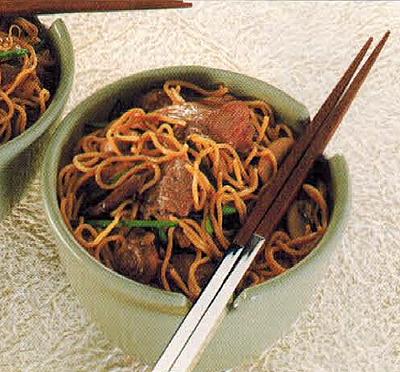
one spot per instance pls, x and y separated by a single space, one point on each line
154 100
229 124
8 73
217 101
182 240
27 89
223 122
138 259
186 111
173 193
45 63
182 263
191 112
129 188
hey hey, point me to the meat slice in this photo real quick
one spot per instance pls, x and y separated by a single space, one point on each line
228 124
182 262
124 191
181 239
27 88
223 122
138 259
8 73
154 100
217 101
186 111
173 193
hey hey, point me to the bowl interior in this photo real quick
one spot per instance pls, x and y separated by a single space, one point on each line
62 46
21 157
97 108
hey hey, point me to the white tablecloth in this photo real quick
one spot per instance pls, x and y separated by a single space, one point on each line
353 323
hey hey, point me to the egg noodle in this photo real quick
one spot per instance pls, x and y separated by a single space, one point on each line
23 98
140 142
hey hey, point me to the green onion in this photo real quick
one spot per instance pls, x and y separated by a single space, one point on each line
227 210
40 46
161 225
209 226
16 53
134 223
162 235
118 176
99 124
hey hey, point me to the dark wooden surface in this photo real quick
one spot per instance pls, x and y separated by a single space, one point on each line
28 7
280 193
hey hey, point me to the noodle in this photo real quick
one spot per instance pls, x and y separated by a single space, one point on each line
140 149
25 86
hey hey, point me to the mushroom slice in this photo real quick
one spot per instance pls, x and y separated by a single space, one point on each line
280 148
298 218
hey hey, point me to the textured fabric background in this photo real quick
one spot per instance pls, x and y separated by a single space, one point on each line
353 323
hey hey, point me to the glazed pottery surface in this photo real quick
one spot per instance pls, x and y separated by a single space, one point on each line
141 319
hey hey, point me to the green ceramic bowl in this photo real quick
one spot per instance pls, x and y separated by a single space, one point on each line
141 319
20 158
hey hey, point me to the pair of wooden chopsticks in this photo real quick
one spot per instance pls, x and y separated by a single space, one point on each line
190 339
29 7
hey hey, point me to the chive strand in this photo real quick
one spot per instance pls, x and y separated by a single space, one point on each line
135 223
227 210
11 54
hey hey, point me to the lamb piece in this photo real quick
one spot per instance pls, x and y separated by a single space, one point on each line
8 73
138 259
186 111
182 262
173 193
154 100
217 101
223 122
228 124
26 90
124 191
181 239
45 66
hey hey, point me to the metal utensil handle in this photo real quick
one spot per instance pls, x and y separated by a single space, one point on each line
200 337
195 314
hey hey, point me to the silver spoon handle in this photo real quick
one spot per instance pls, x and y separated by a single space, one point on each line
196 330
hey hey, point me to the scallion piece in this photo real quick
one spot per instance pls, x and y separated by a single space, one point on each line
11 54
154 224
40 46
227 210
209 227
99 124
118 176
162 235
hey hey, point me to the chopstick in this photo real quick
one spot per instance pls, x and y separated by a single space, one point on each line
286 168
316 148
191 338
29 7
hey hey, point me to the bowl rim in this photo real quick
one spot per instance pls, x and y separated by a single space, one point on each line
62 44
155 298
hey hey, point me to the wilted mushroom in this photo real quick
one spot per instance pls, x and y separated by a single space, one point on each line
138 259
182 263
124 191
280 148
298 217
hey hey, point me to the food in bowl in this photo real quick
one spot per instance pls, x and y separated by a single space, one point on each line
28 75
158 191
